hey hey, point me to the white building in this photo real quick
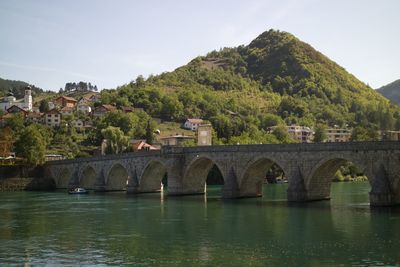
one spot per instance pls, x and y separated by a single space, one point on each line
338 135
83 107
25 103
192 124
302 134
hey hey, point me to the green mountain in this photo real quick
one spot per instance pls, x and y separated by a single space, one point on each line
17 88
391 91
243 90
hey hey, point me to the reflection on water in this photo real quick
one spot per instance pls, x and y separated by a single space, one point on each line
116 229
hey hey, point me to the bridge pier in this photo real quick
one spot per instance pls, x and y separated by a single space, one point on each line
381 199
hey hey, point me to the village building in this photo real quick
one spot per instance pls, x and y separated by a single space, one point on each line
338 135
390 135
192 124
84 107
78 123
16 109
128 109
52 118
93 97
65 101
34 117
66 111
301 134
102 109
141 145
25 103
176 140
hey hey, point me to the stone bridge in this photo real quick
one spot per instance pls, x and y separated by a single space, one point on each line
308 167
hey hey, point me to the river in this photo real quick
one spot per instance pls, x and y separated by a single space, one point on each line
115 229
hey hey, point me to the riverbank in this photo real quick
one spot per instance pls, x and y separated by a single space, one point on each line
22 177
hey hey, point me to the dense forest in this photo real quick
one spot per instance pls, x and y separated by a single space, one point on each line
275 80
391 91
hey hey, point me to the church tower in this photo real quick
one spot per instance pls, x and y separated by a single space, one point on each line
28 98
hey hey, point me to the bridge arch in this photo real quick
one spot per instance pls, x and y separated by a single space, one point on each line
117 178
195 175
254 176
152 176
63 178
87 177
318 183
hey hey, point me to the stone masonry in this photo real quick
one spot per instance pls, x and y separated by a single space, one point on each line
308 167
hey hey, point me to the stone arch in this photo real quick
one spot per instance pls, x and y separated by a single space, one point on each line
195 175
254 176
63 178
117 178
87 177
151 177
318 183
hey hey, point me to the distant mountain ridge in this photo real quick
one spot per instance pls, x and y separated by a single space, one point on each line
391 91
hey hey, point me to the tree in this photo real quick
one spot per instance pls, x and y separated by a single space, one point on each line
362 134
6 141
44 105
149 132
281 133
16 122
31 145
320 134
116 140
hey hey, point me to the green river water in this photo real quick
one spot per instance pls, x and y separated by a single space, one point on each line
115 229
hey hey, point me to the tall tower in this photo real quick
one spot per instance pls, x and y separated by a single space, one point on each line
28 98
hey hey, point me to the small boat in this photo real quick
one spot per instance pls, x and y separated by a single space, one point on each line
78 190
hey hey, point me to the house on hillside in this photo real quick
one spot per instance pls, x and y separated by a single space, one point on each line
78 123
84 107
102 109
65 111
192 124
16 109
176 140
65 101
337 134
128 109
52 117
94 97
141 145
34 117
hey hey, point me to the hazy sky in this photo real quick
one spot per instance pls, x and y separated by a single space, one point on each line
109 43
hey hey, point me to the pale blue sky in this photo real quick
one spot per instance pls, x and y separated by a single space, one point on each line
109 43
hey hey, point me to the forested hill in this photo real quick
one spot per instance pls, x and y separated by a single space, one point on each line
391 91
17 87
276 78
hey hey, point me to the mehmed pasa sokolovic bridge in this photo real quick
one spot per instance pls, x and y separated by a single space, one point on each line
309 169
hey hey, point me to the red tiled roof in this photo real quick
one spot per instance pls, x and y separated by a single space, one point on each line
67 98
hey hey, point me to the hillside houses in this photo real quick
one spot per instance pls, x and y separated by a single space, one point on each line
79 113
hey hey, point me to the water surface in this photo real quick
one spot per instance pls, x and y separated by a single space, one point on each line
115 229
